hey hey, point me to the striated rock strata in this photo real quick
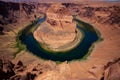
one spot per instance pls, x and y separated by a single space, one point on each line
58 29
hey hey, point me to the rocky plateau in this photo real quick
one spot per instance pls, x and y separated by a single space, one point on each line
102 64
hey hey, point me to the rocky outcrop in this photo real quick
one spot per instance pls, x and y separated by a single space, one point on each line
28 76
13 13
101 14
112 70
34 71
58 29
6 69
13 17
10 71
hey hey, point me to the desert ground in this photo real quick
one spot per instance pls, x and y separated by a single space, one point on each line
104 16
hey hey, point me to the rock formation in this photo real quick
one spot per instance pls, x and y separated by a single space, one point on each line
58 29
106 16
6 69
112 70
18 71
58 16
13 17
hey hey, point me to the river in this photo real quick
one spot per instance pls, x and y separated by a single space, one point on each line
90 37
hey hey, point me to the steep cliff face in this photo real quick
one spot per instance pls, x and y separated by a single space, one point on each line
13 17
106 14
18 13
11 13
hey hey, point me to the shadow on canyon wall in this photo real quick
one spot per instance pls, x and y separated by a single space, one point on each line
11 13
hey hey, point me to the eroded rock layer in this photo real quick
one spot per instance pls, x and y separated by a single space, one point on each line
105 17
58 29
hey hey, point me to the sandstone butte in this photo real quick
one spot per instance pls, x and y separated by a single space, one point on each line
59 28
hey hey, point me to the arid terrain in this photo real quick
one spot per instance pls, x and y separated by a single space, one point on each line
102 64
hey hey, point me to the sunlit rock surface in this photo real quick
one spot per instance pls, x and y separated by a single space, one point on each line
58 29
112 71
104 16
